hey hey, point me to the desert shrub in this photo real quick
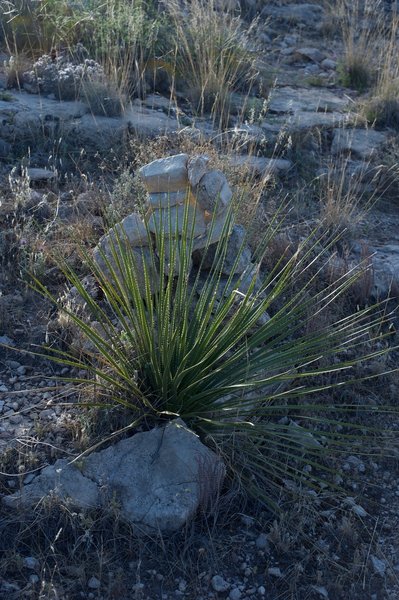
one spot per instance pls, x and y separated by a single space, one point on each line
201 346
122 36
61 76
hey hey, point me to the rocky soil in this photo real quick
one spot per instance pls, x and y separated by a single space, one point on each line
343 546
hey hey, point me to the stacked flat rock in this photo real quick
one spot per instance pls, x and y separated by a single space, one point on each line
182 187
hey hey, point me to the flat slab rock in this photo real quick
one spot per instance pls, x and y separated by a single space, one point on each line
308 14
28 116
291 100
159 479
363 143
386 270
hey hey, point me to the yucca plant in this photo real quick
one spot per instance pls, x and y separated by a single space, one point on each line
198 344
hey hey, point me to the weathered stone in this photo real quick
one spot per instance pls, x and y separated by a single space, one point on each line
159 478
385 270
219 225
362 142
149 123
35 174
238 253
143 260
131 229
62 479
261 165
291 100
165 199
308 14
313 54
213 192
197 166
172 220
329 64
166 174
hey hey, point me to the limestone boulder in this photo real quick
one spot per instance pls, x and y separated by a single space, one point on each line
159 479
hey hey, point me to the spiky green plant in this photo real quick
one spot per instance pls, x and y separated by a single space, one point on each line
198 346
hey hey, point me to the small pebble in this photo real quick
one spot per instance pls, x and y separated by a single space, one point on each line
379 565
30 562
219 584
275 572
262 542
94 583
235 594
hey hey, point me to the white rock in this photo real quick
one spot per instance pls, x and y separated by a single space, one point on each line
166 174
141 259
30 562
328 64
261 165
262 542
131 229
275 572
216 228
65 480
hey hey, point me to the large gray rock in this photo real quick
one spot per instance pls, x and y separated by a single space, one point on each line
166 199
159 479
261 165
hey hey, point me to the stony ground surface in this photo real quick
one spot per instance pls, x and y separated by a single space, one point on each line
327 547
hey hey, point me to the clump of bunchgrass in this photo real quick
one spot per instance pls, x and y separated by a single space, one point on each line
212 57
358 66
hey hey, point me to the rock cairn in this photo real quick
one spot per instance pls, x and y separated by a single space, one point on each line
179 187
